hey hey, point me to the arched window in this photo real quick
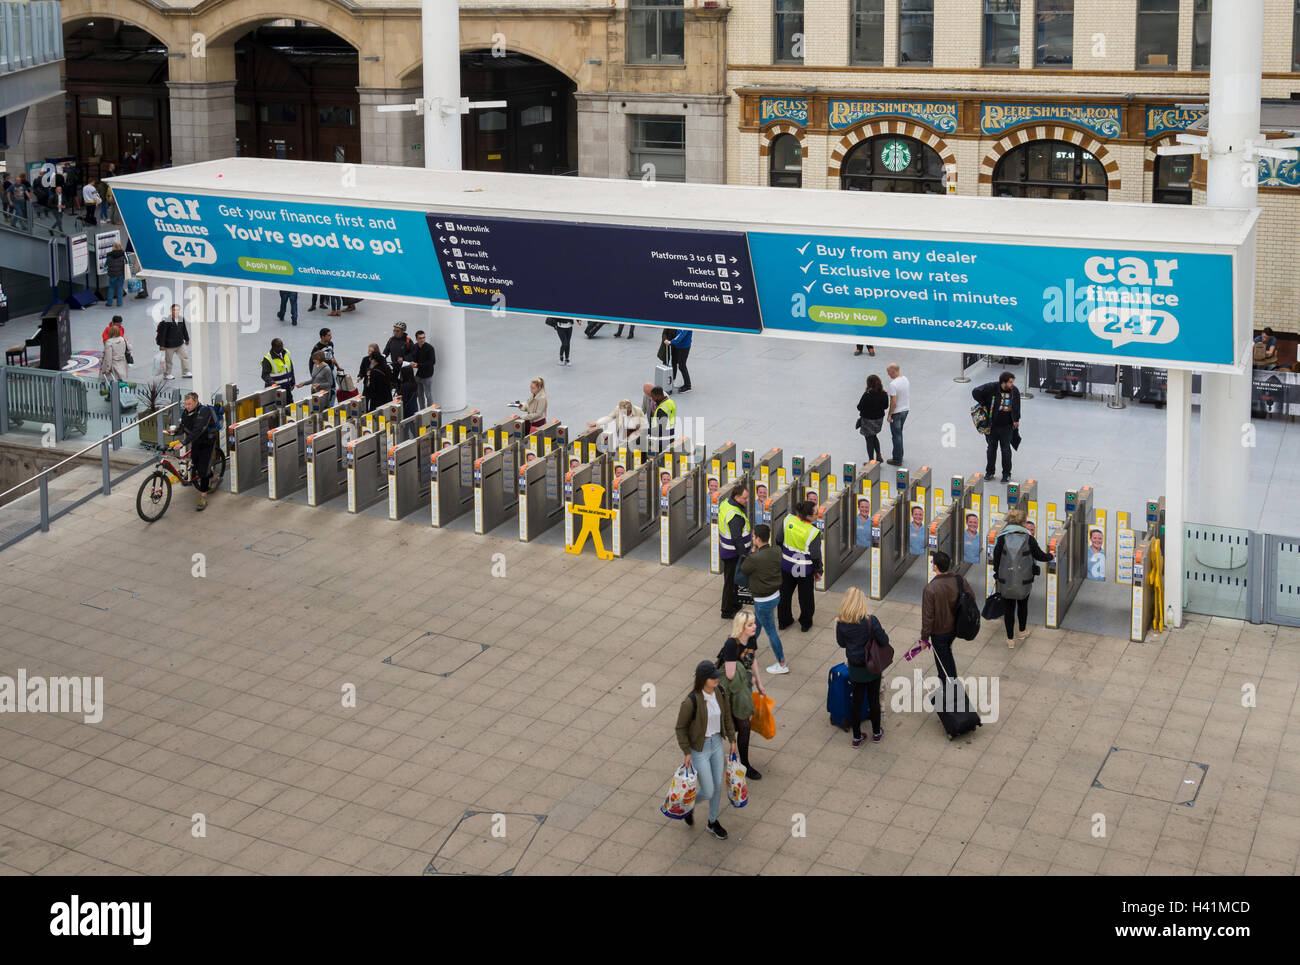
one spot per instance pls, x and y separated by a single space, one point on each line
1050 169
785 162
892 162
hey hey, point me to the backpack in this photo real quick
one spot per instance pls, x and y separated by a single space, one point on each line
215 431
966 613
1015 574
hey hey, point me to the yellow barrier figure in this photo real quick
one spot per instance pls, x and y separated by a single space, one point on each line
591 514
1156 576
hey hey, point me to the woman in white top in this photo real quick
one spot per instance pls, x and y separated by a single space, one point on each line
625 425
535 408
114 364
703 721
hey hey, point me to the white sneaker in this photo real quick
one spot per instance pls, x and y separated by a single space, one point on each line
776 668
187 375
169 376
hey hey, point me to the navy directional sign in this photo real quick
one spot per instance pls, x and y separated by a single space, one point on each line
679 278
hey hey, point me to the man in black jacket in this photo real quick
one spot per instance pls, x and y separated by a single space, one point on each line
1002 399
424 359
399 348
174 339
198 430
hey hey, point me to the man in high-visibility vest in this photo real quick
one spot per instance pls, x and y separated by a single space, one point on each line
277 369
733 543
664 419
801 563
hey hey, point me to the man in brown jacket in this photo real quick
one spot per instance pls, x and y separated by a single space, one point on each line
938 607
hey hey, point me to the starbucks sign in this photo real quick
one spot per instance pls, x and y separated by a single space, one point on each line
895 155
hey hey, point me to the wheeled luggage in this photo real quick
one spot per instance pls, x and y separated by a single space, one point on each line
953 707
839 697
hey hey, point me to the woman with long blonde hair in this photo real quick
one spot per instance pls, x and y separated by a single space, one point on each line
857 631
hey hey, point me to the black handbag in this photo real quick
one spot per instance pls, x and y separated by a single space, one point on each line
994 607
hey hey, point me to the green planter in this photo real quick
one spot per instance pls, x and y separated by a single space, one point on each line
148 428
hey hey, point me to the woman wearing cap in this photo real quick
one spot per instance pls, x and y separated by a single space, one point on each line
742 681
703 720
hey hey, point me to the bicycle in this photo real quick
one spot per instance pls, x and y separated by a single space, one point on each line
174 465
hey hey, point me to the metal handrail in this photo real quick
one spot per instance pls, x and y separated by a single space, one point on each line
98 444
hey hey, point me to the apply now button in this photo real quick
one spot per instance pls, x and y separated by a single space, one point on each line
269 266
847 316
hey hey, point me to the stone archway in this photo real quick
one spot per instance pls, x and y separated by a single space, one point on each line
1050 132
866 130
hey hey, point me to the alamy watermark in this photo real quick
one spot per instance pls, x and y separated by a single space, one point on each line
53 695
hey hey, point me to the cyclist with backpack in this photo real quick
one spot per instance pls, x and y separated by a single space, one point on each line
199 429
940 614
1014 570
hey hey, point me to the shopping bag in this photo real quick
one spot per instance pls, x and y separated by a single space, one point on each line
737 788
681 793
159 362
982 416
343 395
763 722
994 607
345 383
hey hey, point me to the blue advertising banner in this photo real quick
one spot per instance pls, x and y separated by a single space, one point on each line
1104 121
940 116
1123 303
783 108
1161 120
662 276
281 242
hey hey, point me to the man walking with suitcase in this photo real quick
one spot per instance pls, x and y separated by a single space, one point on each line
938 608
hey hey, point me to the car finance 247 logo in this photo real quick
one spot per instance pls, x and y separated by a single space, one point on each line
1129 299
181 221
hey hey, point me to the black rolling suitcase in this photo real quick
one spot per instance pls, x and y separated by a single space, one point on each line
953 706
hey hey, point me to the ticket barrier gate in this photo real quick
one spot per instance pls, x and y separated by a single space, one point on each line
424 421
384 419
243 407
349 409
327 457
1025 496
942 536
451 468
286 446
634 498
596 472
246 448
722 475
891 524
966 497
541 481
683 507
496 494
1068 543
836 519
410 449
814 476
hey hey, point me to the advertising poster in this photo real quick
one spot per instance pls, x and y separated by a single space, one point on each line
971 539
862 522
1096 552
916 529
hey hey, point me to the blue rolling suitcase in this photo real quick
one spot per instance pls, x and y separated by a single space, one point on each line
839 693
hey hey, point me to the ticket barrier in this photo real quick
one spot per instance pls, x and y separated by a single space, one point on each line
917 487
968 545
683 507
286 446
1148 581
327 457
634 498
419 423
1068 543
496 494
942 536
254 404
890 557
409 474
597 472
541 481
1024 495
451 468
815 475
383 419
246 448
836 518
349 409
722 475
366 464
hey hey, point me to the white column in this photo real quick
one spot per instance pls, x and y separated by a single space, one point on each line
1235 62
193 299
1178 421
440 21
228 344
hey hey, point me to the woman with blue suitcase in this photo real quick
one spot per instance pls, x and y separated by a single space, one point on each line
857 631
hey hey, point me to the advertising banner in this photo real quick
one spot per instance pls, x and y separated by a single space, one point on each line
271 242
1105 304
1110 303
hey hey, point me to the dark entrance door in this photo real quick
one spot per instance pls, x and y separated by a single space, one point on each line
535 133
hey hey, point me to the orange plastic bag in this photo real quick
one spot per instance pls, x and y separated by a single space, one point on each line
763 723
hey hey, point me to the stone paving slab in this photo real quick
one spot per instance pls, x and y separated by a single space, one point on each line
225 671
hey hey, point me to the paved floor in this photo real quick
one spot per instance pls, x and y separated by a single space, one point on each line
513 703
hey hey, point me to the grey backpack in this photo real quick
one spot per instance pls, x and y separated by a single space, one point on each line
1015 575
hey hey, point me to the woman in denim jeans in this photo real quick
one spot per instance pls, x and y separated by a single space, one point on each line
762 568
703 722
